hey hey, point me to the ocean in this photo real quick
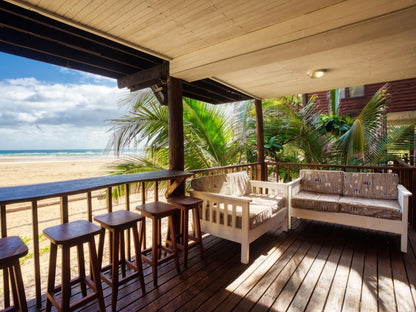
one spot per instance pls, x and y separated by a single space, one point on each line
58 155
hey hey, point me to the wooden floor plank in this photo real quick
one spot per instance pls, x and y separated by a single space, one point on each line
277 285
337 292
301 298
247 294
386 298
223 294
402 289
369 290
283 301
263 266
320 293
354 285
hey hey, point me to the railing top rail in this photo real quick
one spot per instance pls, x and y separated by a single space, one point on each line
223 168
341 166
24 193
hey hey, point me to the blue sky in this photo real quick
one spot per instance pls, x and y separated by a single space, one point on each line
43 106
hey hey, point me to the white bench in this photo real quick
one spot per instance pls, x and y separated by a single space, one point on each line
373 201
246 208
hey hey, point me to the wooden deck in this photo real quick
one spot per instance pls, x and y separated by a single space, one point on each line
315 267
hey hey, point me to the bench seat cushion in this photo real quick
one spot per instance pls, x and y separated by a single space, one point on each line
262 208
370 207
316 201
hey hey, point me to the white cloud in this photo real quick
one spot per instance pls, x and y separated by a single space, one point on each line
36 114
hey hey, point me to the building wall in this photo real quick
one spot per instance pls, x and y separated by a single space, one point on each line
403 98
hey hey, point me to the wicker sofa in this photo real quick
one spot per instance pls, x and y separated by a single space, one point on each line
369 200
246 208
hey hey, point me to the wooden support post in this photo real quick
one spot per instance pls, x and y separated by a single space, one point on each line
175 129
260 141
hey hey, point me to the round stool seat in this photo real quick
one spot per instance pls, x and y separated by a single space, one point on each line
11 248
185 201
72 233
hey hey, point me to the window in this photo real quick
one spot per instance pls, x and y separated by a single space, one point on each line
352 92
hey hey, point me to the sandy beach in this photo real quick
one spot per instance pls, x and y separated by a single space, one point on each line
18 171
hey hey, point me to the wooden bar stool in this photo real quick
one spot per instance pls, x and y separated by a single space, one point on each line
157 211
11 249
68 235
186 241
117 222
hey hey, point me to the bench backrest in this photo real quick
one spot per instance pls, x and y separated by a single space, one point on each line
236 184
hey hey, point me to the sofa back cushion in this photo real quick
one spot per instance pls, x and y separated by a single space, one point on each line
212 184
385 185
322 181
239 183
371 185
358 184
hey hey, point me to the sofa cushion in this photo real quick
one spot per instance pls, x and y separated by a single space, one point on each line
316 201
322 181
212 184
385 185
358 184
239 183
370 207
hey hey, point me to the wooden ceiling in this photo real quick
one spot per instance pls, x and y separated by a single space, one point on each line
261 48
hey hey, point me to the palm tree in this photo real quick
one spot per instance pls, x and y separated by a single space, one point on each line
209 134
369 139
295 127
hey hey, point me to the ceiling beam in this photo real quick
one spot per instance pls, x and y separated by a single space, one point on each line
145 78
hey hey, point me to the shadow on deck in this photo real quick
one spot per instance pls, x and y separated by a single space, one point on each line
316 266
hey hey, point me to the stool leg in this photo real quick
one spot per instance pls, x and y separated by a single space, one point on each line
81 269
96 274
197 225
138 261
185 239
51 278
66 278
20 301
122 254
14 288
175 250
114 268
155 240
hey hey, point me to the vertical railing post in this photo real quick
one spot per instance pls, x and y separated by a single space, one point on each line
109 199
36 252
64 209
127 204
89 206
156 191
6 290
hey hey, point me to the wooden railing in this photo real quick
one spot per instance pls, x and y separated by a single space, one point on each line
407 174
33 194
252 170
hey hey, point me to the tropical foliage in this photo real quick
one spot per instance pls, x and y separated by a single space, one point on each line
210 134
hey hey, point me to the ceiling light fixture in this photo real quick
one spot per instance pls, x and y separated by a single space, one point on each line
317 73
